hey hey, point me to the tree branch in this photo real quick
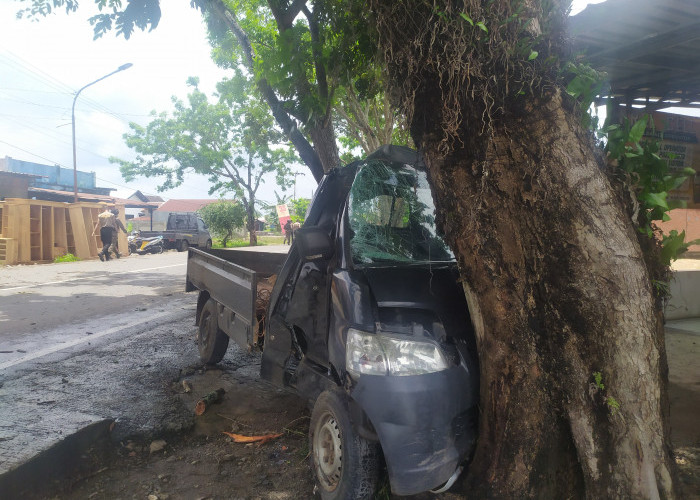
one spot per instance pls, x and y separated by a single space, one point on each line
306 152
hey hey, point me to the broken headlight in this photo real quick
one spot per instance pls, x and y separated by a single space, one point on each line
373 354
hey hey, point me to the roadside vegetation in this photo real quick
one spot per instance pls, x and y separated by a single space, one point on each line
264 239
69 257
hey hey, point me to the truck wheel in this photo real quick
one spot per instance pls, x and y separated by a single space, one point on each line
207 245
212 342
183 246
345 465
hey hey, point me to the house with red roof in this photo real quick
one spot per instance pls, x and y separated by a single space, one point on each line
160 215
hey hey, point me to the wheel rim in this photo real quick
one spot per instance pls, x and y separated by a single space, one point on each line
328 452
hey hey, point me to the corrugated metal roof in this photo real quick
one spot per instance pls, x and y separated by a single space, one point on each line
649 48
67 196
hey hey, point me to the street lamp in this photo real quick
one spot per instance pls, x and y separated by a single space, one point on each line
75 165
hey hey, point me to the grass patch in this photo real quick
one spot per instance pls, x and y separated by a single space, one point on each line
274 239
69 257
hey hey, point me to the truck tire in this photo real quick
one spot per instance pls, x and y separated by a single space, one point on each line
183 246
345 465
207 245
211 341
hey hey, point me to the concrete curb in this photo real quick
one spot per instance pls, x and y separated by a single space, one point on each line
72 458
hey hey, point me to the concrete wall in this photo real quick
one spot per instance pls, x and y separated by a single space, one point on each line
12 186
53 176
685 295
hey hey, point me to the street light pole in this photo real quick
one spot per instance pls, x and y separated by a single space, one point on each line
75 163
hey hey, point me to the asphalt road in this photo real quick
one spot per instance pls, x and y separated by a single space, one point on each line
88 341
37 298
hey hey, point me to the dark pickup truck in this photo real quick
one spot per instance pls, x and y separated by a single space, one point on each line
365 319
183 230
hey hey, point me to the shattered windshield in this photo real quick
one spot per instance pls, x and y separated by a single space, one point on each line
392 216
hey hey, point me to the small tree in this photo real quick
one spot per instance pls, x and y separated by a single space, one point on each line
299 207
234 142
223 217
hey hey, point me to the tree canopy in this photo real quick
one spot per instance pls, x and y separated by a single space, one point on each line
234 142
223 217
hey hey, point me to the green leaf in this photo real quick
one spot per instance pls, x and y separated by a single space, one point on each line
482 26
466 18
533 55
656 199
637 131
673 246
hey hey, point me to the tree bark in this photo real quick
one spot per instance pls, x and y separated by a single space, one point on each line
570 338
558 290
250 222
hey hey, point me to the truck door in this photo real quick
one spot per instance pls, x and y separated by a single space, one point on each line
298 316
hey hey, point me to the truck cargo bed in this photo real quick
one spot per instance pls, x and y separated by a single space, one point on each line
230 277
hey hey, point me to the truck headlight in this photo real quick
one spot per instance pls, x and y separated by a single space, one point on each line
372 354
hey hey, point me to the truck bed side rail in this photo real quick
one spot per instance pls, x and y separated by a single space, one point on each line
232 286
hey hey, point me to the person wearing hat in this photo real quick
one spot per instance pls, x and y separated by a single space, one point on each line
106 221
115 234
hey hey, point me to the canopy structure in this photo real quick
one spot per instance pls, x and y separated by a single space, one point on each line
650 50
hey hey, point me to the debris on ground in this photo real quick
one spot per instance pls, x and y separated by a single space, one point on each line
157 445
208 400
240 438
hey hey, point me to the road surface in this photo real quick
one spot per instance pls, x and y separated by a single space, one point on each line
82 342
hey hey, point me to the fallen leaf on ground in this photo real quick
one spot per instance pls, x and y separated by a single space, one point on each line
240 438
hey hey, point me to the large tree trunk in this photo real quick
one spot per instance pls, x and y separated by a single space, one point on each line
250 223
552 269
323 138
558 291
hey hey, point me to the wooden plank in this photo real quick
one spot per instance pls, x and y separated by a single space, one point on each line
47 233
80 233
59 227
90 214
9 252
21 233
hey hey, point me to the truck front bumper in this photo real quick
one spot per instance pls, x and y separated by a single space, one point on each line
426 424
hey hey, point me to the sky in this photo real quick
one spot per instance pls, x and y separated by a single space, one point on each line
43 63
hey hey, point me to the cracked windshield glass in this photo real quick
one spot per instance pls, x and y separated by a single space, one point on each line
392 216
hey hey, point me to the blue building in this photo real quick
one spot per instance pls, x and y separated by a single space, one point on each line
54 177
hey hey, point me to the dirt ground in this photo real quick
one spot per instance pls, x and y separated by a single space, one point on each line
206 464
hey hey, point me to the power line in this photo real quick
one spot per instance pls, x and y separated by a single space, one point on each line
63 88
34 154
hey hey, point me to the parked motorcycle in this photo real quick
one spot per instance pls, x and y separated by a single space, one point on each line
134 241
143 246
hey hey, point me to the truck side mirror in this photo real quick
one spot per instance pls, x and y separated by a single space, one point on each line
314 243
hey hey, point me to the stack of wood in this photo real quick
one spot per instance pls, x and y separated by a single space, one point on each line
39 231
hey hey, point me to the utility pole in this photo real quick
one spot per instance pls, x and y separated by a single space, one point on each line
75 163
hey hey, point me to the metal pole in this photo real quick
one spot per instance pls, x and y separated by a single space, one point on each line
75 163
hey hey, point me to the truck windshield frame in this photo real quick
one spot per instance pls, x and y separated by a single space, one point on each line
391 216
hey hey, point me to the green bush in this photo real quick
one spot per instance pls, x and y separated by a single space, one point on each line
69 257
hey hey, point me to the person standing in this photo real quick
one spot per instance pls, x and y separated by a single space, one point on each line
106 221
288 232
115 234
